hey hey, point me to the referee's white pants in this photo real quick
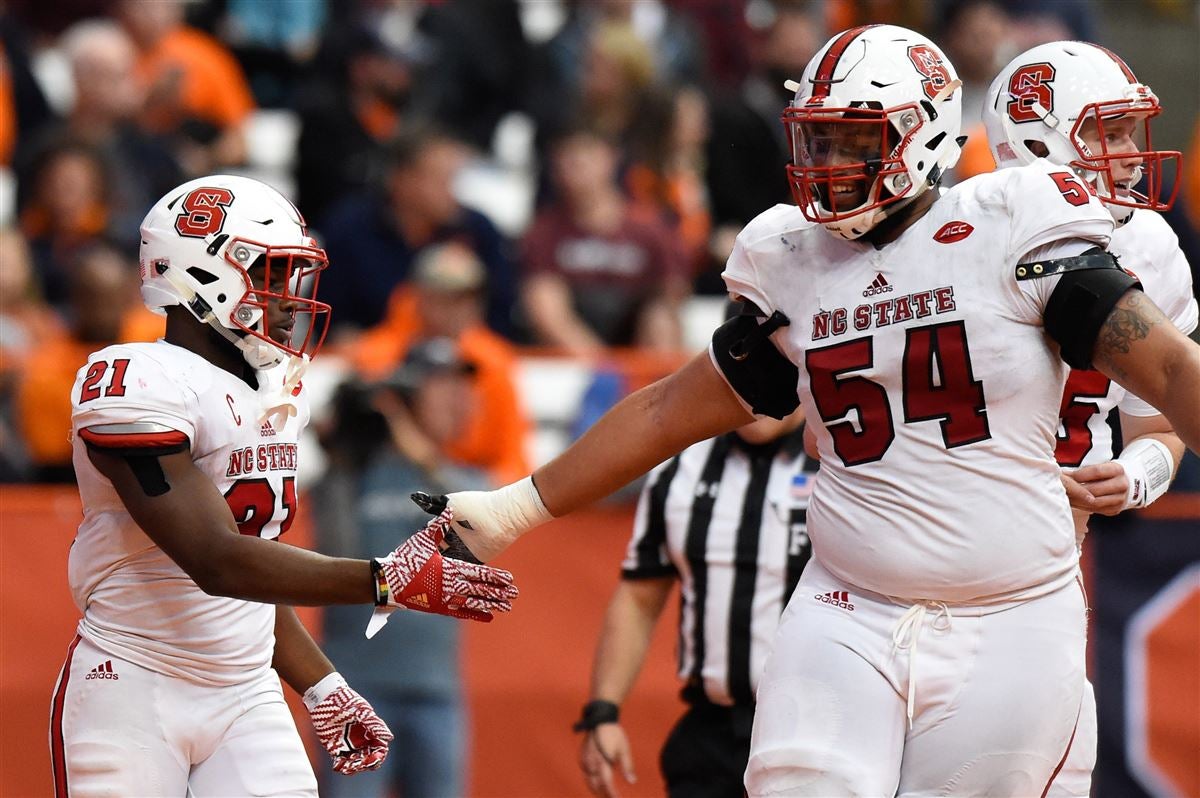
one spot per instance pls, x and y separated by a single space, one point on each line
123 731
995 695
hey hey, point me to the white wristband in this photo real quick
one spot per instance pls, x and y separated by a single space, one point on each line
321 690
1150 467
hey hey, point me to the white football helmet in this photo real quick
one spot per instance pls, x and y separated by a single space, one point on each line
1048 93
874 123
199 243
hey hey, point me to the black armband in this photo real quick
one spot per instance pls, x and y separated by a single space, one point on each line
1089 287
754 366
596 713
149 474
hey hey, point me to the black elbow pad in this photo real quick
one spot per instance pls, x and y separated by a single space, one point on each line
754 367
1090 286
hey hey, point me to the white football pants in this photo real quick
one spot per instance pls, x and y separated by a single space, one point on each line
995 695
120 730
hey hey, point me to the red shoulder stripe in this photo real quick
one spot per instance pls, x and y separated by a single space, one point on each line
172 439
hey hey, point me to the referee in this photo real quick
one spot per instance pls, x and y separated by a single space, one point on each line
726 520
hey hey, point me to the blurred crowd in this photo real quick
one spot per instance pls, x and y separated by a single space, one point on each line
500 175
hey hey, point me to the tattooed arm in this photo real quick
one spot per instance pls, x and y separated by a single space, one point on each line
1139 348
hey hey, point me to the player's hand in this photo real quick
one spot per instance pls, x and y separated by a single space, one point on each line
1105 483
605 749
420 578
485 523
355 737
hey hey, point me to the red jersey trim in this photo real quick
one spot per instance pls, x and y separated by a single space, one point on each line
126 441
57 747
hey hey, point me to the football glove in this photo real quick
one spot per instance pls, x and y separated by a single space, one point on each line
346 724
418 577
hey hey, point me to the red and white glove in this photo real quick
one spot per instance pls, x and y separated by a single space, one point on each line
355 737
418 577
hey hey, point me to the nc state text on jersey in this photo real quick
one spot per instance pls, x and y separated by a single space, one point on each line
884 312
264 457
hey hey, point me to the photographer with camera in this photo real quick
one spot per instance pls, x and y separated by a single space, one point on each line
387 438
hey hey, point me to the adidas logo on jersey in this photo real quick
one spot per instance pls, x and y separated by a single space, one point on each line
879 285
266 430
102 671
837 598
419 600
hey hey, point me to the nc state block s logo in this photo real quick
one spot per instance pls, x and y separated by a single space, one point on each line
952 232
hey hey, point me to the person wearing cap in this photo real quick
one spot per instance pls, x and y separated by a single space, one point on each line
387 436
445 298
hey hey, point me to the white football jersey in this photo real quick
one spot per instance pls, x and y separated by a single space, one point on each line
931 385
136 602
1148 247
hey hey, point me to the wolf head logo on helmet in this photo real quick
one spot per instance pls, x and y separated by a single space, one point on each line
236 253
874 124
1079 105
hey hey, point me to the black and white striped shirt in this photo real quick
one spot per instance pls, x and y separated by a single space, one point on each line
729 520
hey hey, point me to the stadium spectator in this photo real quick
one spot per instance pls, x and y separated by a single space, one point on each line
139 167
667 172
196 90
25 322
978 36
598 271
445 300
612 84
348 118
387 437
372 238
478 65
747 137
67 207
275 42
23 106
104 309
652 33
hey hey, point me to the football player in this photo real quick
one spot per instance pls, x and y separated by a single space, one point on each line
928 337
186 455
1079 106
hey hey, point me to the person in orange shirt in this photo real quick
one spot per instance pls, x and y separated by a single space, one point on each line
195 85
25 321
445 299
104 310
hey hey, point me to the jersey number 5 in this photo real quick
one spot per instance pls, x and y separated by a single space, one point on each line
1075 439
1072 190
939 385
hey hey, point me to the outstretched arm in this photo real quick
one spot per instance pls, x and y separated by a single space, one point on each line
640 432
182 512
1139 348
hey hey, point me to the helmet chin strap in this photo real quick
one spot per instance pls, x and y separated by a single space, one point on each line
258 353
